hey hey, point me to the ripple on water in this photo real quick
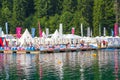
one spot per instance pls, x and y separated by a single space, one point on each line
60 66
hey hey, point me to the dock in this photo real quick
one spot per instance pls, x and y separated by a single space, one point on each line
19 52
54 50
45 51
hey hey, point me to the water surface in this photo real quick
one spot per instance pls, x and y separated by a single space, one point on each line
84 65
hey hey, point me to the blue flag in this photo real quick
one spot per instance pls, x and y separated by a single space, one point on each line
6 25
33 32
112 32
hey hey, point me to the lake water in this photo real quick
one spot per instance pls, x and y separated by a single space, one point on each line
83 65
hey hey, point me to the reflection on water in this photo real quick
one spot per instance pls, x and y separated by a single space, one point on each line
85 65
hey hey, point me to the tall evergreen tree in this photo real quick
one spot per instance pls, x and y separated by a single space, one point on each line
67 20
0 9
41 7
108 19
97 16
53 23
118 5
71 13
29 14
67 5
103 15
55 7
42 12
119 10
6 12
18 15
83 13
29 8
116 10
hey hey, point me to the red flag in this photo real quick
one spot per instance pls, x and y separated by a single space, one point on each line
73 31
1 42
40 30
115 29
18 32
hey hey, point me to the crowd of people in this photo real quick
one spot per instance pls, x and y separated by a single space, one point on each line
30 46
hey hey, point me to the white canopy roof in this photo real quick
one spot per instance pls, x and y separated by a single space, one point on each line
56 34
26 37
9 36
3 35
71 36
44 35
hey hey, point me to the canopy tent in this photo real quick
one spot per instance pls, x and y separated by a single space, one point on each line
55 35
26 37
71 36
9 36
3 35
44 35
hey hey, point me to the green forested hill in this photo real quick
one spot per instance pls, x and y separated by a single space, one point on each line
50 13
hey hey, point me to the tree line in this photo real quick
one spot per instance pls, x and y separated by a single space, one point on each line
50 13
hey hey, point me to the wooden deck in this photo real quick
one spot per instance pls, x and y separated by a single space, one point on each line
21 51
34 52
7 51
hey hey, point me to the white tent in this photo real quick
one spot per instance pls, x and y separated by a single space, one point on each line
71 36
56 34
26 37
9 36
3 35
44 35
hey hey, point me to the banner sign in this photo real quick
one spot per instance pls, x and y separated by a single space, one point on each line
114 41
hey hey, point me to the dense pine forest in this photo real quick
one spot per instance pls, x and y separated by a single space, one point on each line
50 13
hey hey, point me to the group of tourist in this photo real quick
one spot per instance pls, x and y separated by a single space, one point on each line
33 47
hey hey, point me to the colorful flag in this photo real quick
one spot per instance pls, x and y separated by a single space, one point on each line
0 32
40 30
116 29
82 30
99 30
119 31
60 30
104 31
88 32
18 32
6 25
47 32
112 32
73 30
33 32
